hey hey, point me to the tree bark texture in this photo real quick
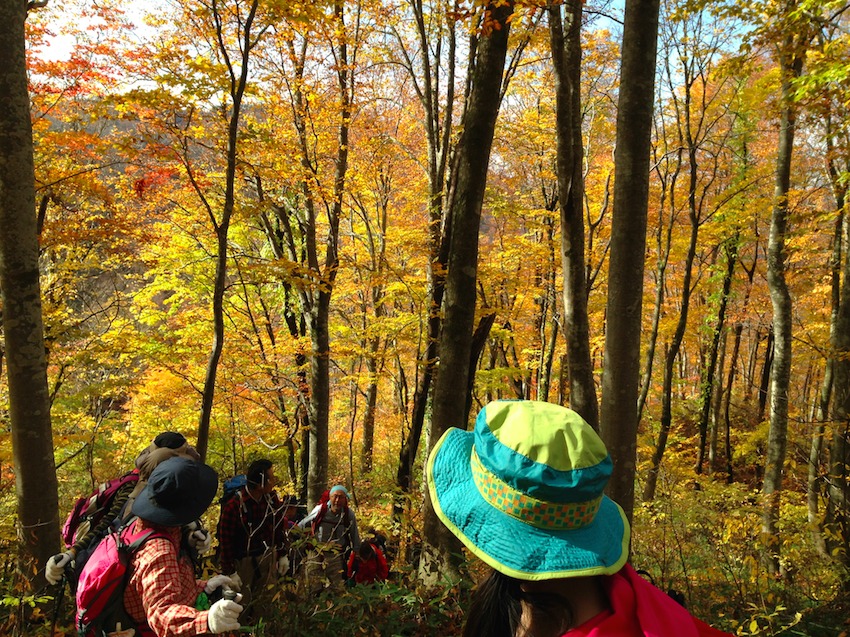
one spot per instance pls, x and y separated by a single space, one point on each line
618 413
565 43
473 156
780 299
23 331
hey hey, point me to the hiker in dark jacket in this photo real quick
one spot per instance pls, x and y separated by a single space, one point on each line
252 533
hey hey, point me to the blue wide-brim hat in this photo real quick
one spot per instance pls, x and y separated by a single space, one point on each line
524 492
178 491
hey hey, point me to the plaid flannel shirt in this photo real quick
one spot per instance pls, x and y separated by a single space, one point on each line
250 527
163 589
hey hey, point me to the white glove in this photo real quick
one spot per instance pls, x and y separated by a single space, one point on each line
55 568
235 581
223 616
217 581
200 541
282 565
118 632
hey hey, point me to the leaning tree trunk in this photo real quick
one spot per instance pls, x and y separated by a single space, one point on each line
442 549
566 57
618 413
23 332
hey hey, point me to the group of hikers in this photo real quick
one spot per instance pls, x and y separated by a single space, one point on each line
259 540
523 491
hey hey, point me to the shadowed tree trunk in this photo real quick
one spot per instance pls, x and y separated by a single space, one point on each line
23 330
565 42
618 413
441 552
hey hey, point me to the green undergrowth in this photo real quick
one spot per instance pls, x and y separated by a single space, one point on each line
700 537
395 608
704 540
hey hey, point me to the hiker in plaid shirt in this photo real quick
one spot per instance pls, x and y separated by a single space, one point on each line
163 597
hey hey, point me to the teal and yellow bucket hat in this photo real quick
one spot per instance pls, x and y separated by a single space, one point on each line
524 492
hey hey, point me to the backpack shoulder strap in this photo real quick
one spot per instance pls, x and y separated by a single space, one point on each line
133 541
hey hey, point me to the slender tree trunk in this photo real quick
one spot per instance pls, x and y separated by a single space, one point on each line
669 366
438 128
717 405
621 369
238 83
566 56
764 382
367 447
707 389
442 550
837 514
837 263
781 301
547 328
23 330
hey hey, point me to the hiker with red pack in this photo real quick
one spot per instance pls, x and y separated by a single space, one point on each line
368 565
334 527
93 517
162 594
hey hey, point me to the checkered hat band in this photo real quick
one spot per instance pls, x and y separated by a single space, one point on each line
554 516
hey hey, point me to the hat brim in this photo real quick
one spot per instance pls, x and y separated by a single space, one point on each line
191 508
513 547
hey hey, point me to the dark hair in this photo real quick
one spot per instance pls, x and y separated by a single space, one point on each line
170 439
496 608
256 473
367 551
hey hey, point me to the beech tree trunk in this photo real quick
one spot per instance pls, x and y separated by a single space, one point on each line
23 331
565 43
621 369
442 549
780 298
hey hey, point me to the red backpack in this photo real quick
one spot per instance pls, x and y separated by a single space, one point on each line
100 590
89 510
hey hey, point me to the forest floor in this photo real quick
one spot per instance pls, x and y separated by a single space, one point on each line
827 620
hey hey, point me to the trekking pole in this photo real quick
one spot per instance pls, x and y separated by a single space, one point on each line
231 594
59 598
